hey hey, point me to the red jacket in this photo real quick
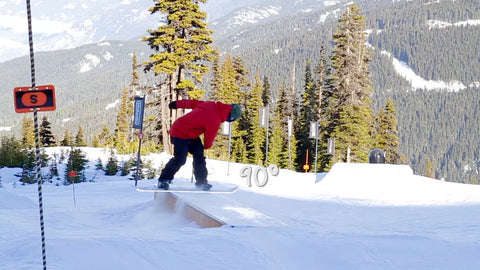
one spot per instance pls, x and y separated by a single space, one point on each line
205 118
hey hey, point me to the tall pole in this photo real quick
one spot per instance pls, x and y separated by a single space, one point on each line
268 124
140 137
316 146
139 108
37 144
289 128
229 146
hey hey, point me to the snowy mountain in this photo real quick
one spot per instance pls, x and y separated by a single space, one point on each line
74 24
266 11
358 216
71 24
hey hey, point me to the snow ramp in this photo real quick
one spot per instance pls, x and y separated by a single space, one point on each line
214 210
390 184
367 173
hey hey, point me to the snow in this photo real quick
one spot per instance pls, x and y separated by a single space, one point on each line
443 24
253 15
330 3
418 82
69 25
358 216
107 56
89 62
112 105
323 17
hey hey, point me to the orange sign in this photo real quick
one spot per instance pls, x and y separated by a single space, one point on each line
28 99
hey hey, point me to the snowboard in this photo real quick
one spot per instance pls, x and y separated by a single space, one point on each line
179 186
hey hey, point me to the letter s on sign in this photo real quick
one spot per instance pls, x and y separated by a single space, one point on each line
34 99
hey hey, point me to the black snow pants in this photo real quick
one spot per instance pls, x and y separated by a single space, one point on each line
181 147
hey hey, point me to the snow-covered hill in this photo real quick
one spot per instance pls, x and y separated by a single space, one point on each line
358 216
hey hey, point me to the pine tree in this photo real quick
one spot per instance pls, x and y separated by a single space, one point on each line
308 109
351 116
80 137
353 131
112 164
386 136
67 139
183 49
134 85
323 94
28 133
135 89
46 137
285 113
321 72
12 153
231 87
54 167
232 81
76 163
429 171
104 138
255 135
267 92
121 132
277 140
28 167
99 165
215 81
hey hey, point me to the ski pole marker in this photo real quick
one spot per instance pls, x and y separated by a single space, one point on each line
27 99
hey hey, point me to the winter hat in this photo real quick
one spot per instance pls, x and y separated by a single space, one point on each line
235 113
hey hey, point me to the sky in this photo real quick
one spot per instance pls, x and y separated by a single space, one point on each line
357 216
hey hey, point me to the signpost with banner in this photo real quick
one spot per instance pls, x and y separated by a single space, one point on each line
264 123
314 135
289 128
331 147
139 108
227 131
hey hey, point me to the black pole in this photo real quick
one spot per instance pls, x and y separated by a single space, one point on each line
139 107
138 155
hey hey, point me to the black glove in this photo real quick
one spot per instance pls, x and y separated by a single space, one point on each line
172 105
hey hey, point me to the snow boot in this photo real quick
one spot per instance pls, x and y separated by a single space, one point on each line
164 184
205 186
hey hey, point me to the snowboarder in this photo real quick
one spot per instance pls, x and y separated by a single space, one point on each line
205 118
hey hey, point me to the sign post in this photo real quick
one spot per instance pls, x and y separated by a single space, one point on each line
314 135
227 130
33 99
264 123
139 108
29 99
289 128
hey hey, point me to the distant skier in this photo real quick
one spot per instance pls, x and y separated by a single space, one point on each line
205 118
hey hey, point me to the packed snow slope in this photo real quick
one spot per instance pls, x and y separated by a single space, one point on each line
358 216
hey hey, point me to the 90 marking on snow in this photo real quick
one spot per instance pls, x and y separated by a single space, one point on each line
246 172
